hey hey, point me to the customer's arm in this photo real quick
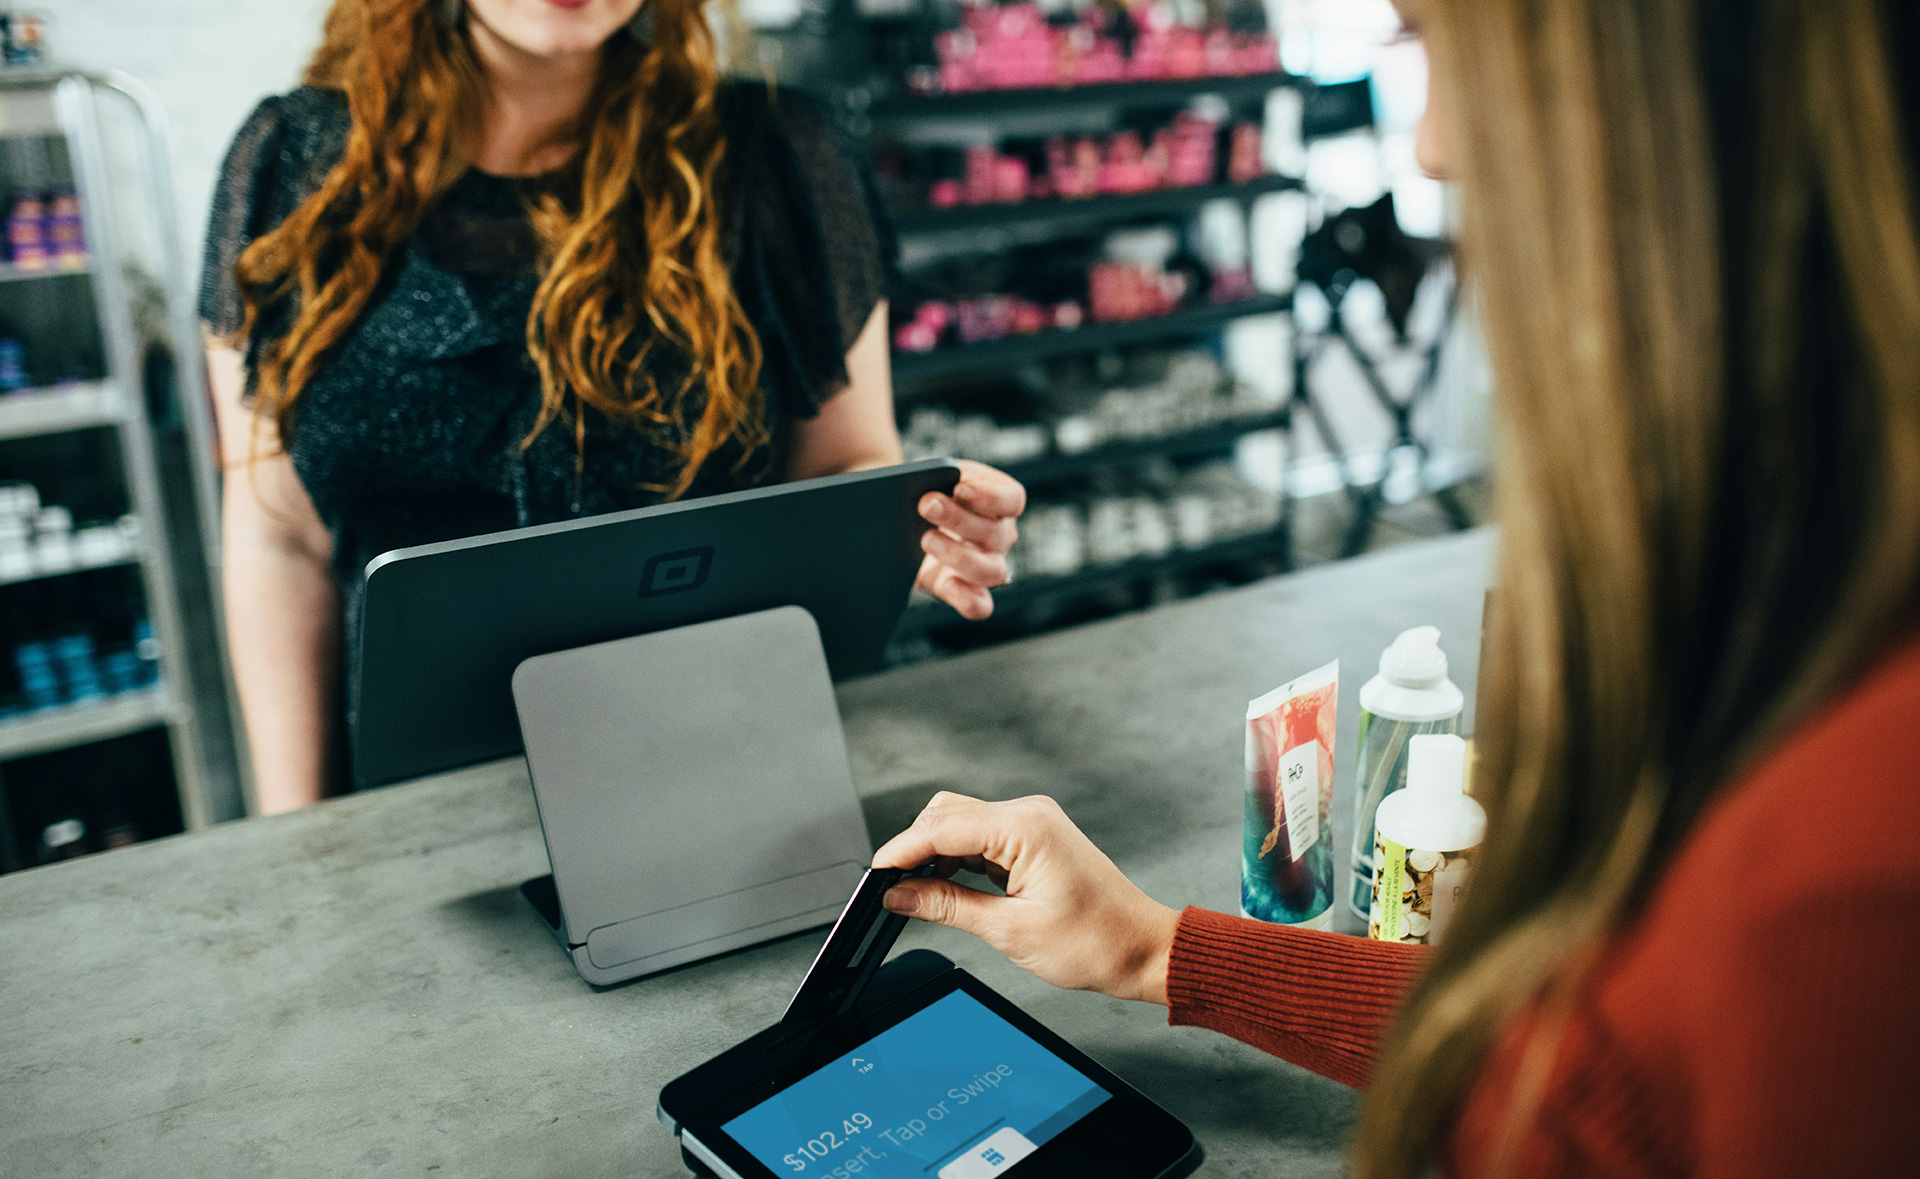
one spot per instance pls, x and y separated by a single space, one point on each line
1320 1000
854 431
282 603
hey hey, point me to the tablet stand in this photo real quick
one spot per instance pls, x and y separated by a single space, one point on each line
694 792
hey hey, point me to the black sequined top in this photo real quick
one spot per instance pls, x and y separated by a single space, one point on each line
410 432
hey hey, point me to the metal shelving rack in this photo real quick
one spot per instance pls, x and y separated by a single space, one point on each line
114 139
1160 202
1017 350
1009 353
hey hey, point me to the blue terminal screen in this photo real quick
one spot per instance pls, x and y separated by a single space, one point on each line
951 1092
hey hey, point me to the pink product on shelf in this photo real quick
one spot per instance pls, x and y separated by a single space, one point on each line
1230 285
923 332
936 312
27 233
1029 317
1011 46
1255 53
1012 180
1128 290
1128 167
988 317
915 337
1183 154
1073 166
980 168
65 239
992 177
1244 160
1190 150
1089 58
1174 53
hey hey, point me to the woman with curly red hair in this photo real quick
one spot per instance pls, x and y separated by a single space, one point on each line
505 262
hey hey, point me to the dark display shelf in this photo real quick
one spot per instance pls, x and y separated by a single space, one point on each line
1017 350
1188 442
1173 92
1160 202
1253 547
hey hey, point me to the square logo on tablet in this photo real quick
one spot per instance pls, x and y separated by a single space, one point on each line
670 573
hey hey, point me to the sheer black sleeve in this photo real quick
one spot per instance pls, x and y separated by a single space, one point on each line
816 251
277 158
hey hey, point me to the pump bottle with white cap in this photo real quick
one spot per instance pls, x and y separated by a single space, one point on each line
1411 696
1424 841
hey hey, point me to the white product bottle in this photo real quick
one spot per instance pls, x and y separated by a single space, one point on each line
1424 841
1411 696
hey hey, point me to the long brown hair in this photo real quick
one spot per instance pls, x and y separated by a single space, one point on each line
633 263
1693 229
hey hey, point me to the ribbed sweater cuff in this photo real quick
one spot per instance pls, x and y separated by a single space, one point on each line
1319 1000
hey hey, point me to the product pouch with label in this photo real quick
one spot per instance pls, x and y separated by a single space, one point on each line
1286 861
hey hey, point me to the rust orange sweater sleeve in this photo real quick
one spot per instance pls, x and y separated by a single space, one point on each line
1319 1000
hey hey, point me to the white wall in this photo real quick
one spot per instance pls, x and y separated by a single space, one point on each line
208 61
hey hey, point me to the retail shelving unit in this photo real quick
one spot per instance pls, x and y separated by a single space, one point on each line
1163 202
920 375
126 393
925 615
1017 350
1102 95
1204 440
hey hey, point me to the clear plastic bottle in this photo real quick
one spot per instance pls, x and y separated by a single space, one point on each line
1411 697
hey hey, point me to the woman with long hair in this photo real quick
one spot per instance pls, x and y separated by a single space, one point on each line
505 262
1688 947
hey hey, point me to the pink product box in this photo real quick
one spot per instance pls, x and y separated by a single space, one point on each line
27 242
1125 290
1244 161
988 317
1012 46
995 178
1230 285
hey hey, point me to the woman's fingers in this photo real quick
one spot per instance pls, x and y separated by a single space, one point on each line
973 601
989 492
971 564
950 826
943 902
995 534
973 530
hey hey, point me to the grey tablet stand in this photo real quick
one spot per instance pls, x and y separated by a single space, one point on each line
694 791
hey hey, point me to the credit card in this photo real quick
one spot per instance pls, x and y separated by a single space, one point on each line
857 945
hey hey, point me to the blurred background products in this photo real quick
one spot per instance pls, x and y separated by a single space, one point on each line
1188 150
114 721
1149 515
44 231
1013 46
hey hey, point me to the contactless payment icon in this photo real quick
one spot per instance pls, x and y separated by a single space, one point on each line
670 573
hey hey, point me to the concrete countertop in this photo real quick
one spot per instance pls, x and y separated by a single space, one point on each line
359 988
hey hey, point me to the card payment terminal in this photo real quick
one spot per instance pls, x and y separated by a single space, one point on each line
914 1070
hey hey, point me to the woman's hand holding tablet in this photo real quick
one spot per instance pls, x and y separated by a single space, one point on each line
972 530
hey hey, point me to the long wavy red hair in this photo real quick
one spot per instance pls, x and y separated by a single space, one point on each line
632 263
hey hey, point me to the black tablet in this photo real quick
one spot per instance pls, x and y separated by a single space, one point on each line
949 1081
444 625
